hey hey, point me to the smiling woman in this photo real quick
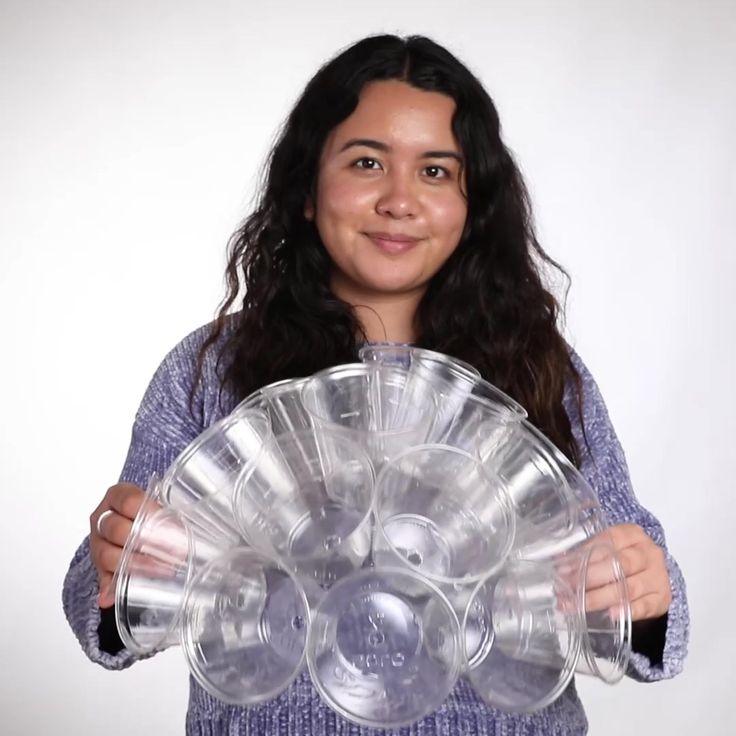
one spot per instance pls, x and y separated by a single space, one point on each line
390 207
391 210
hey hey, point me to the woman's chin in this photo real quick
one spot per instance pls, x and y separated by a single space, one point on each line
392 286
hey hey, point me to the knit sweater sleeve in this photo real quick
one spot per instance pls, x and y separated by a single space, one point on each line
604 466
163 426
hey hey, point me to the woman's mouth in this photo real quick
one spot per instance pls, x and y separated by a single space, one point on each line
392 243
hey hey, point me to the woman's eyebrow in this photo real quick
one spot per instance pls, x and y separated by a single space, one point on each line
443 154
385 148
366 142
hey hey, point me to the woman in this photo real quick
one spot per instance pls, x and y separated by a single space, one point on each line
391 211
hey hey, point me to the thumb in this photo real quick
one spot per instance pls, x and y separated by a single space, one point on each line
106 598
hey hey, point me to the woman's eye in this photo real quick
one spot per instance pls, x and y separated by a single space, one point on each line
367 163
436 172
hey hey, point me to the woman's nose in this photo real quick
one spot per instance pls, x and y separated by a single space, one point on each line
398 197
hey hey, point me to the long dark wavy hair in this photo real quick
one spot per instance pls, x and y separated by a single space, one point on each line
487 305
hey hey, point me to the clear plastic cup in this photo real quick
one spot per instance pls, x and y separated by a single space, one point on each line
384 647
529 628
452 376
456 384
483 389
544 507
439 511
522 632
606 645
244 627
159 558
283 404
384 408
585 518
408 356
314 513
478 426
200 482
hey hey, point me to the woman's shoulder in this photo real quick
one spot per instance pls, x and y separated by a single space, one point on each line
187 352
587 410
582 385
191 374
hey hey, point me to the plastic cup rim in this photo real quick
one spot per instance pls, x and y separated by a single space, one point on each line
623 650
512 406
544 447
567 671
267 392
188 645
461 367
123 578
495 408
213 430
362 369
335 435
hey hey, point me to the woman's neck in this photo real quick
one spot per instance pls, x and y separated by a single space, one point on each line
386 317
385 325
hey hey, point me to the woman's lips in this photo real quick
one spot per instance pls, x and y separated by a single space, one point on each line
392 244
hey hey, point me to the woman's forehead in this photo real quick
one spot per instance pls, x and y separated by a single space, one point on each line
398 115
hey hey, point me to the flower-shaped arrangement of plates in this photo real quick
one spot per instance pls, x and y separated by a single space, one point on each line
392 525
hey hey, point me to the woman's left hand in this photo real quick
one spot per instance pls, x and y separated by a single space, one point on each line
644 566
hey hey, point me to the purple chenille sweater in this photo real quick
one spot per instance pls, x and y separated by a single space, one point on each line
164 426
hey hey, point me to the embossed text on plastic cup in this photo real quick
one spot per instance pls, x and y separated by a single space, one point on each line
384 647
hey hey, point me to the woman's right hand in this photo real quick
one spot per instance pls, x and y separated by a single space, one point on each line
110 524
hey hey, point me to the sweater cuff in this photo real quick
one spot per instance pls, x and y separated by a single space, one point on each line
81 589
643 665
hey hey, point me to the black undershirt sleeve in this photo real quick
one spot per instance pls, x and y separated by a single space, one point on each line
107 631
648 636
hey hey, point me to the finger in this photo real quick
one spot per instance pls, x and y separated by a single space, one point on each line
99 523
106 597
648 596
650 583
138 564
126 499
604 566
633 559
600 574
113 527
640 585
608 597
622 536
106 557
648 606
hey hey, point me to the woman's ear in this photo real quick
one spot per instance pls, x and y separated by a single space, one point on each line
309 208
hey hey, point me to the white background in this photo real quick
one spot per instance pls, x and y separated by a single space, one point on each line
131 135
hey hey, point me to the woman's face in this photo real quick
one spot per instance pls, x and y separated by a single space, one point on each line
390 207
